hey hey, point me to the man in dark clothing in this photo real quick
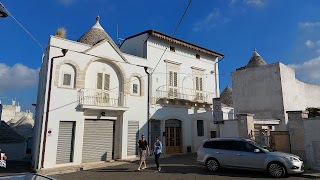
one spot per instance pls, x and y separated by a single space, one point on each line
143 148
157 151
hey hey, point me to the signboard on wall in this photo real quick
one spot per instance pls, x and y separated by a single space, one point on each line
216 104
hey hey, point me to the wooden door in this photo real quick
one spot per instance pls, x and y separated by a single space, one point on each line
173 140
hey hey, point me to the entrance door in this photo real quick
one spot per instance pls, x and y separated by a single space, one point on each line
173 136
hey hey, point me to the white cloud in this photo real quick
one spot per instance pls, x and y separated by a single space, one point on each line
256 3
17 77
309 24
309 44
309 71
210 21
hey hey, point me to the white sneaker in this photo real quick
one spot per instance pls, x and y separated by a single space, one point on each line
138 169
144 168
159 169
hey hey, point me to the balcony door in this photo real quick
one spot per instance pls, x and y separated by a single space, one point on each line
173 84
103 87
173 136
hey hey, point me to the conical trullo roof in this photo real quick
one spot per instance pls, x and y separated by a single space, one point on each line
255 60
226 96
94 35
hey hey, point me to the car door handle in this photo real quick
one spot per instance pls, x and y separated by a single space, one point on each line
239 155
218 152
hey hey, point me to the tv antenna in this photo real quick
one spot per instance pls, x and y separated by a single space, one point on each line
118 39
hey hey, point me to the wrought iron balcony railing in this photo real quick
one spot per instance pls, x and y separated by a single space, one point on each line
98 97
185 94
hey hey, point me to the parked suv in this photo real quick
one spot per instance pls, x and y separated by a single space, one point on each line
241 153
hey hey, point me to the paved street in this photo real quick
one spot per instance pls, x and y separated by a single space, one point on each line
173 168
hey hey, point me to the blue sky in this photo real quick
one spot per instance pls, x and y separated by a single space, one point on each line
281 30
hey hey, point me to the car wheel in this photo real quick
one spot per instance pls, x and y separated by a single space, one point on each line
213 165
276 170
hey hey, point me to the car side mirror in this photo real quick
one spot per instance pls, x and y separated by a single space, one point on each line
256 150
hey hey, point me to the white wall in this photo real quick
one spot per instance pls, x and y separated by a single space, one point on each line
229 128
135 46
312 142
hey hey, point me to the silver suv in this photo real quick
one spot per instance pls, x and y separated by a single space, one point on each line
241 153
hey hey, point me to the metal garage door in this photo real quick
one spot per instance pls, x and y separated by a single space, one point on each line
133 137
98 140
65 142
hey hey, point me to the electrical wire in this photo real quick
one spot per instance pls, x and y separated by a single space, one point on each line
174 33
24 28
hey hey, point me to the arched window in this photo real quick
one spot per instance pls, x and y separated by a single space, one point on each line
67 76
200 128
135 86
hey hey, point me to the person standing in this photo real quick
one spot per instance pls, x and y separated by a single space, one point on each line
143 148
3 159
157 151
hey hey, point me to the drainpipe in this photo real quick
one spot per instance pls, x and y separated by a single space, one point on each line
148 108
64 52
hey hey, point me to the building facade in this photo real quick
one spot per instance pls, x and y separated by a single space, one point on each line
95 99
269 90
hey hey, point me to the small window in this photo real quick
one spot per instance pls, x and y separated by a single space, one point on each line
198 56
173 49
213 134
66 79
200 128
135 88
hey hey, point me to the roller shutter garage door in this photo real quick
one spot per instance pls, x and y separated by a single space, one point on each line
98 140
133 138
65 142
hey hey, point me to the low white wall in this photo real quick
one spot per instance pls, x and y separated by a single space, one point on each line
312 142
14 151
229 128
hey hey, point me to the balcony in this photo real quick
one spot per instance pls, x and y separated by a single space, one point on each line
186 95
102 99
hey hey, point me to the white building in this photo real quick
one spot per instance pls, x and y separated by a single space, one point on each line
269 90
93 97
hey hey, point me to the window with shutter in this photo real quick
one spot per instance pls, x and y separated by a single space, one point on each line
103 84
106 82
173 84
199 88
99 81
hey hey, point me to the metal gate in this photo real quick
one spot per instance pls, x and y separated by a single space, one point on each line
65 142
98 140
133 137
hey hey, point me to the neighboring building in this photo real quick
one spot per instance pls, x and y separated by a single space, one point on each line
11 112
12 143
269 90
21 122
92 100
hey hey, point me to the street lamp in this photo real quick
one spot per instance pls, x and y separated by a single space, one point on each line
3 12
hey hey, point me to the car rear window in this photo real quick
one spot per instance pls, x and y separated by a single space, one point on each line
225 145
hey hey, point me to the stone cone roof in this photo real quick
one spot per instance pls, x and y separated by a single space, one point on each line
95 35
255 60
226 97
8 135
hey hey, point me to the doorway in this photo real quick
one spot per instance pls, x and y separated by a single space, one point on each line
173 136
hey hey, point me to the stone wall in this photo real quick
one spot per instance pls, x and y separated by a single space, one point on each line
305 137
